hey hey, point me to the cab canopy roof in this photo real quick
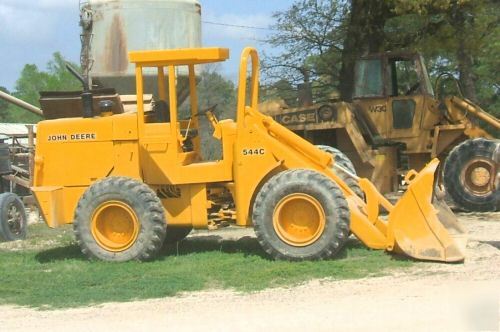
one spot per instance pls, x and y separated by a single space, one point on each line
178 57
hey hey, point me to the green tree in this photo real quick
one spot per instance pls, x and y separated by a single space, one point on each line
4 105
34 80
281 89
310 34
325 38
364 34
214 89
457 34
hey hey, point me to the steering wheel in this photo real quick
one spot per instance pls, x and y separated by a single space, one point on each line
205 111
413 88
209 113
200 113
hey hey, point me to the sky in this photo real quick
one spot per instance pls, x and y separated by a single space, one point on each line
31 31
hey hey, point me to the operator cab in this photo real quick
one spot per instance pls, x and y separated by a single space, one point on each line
391 90
169 135
391 75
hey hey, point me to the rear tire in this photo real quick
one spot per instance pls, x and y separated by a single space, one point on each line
120 219
470 174
13 220
301 215
344 161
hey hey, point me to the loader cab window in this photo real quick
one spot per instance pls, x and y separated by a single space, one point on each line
404 79
368 79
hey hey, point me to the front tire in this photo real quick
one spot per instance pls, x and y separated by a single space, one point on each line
13 220
120 219
301 215
470 175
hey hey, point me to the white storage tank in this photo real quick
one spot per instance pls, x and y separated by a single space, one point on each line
112 28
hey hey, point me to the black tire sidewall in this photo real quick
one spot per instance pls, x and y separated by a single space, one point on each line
118 189
6 200
456 161
328 243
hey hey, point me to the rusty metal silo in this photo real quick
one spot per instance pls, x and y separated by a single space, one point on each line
111 28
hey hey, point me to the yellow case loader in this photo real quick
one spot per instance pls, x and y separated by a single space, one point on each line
397 121
131 181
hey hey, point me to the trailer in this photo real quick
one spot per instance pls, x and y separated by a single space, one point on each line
17 146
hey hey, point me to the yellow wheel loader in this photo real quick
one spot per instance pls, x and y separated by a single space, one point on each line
397 122
128 181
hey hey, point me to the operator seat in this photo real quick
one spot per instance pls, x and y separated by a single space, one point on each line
161 111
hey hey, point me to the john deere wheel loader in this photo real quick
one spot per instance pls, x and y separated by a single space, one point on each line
397 122
126 181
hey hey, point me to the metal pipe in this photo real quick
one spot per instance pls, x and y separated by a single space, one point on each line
18 169
17 180
22 154
242 85
346 171
20 103
477 111
87 98
78 76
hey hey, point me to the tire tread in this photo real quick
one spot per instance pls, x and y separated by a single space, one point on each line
154 216
311 178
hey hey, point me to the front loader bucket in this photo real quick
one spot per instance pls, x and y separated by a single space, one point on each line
424 228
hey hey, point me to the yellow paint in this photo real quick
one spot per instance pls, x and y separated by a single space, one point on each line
126 159
57 204
416 226
50 202
254 148
299 219
179 57
115 226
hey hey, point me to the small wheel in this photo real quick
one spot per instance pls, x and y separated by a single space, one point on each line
120 219
13 220
176 234
470 175
301 215
345 162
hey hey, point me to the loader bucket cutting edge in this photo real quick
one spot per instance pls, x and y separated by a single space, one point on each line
424 228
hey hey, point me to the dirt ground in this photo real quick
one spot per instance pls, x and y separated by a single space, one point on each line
428 297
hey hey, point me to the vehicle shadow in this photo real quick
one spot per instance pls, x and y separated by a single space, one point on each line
71 251
247 245
495 244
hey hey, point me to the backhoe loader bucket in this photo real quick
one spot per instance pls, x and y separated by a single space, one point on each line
422 226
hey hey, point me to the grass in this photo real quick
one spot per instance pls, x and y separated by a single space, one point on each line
48 270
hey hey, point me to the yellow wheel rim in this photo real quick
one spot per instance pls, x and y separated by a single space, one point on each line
478 176
299 219
115 226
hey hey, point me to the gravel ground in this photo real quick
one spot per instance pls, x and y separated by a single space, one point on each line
428 297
